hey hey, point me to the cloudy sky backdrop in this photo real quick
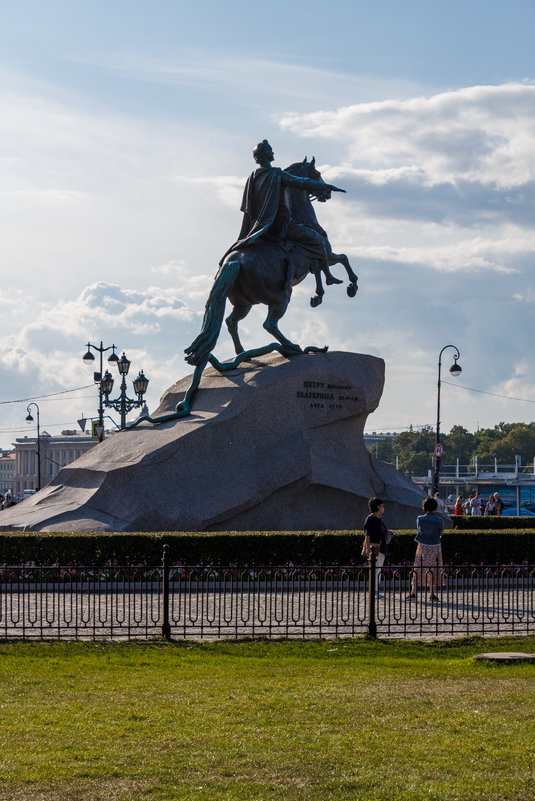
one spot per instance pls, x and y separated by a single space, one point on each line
126 138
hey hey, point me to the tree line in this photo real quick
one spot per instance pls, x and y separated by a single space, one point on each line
414 449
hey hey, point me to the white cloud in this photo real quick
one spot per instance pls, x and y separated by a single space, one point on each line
480 133
90 192
143 322
228 188
521 384
172 268
526 296
446 181
258 82
448 250
192 285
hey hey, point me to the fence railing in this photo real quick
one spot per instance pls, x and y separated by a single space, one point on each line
223 601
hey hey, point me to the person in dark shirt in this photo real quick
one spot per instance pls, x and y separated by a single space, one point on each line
376 534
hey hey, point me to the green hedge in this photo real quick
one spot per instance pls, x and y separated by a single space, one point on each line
469 523
458 547
337 547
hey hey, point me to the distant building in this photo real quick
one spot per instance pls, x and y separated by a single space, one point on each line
56 452
372 439
7 470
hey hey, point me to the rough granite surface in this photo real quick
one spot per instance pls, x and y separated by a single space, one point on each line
274 445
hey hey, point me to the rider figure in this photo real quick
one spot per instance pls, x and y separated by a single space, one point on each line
266 213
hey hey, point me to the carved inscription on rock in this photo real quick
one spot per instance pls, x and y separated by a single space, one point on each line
323 395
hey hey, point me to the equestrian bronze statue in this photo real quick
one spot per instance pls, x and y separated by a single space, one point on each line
279 244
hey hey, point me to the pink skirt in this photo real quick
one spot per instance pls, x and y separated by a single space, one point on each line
427 564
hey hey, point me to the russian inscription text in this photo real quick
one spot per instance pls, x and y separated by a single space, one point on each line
323 391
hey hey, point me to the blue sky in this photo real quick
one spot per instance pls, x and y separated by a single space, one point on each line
127 131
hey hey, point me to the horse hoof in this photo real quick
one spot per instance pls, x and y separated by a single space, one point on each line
315 301
352 290
314 349
332 280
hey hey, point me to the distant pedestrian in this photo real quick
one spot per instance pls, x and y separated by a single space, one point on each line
440 503
468 505
428 560
490 508
377 534
459 506
8 501
499 504
475 503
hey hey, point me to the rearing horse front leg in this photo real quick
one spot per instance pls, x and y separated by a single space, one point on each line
341 258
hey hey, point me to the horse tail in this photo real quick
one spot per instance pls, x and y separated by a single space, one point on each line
203 345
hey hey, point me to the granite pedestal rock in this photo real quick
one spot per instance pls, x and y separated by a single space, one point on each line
273 445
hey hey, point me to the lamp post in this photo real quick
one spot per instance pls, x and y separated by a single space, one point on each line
455 370
29 419
123 404
89 359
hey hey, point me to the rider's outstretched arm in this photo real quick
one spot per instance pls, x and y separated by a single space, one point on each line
316 187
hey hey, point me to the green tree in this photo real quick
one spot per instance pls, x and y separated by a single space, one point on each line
384 451
519 439
414 450
484 441
458 444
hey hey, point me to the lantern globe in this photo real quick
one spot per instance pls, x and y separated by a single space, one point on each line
123 364
141 384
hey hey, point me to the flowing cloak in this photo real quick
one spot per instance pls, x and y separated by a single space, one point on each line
262 202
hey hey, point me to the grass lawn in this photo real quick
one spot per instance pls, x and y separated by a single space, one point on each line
305 721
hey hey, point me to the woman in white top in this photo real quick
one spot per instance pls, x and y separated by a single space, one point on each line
490 508
475 503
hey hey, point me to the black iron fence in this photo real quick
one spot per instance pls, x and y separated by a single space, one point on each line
223 601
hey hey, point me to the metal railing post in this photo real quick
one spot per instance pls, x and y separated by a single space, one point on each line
372 625
166 627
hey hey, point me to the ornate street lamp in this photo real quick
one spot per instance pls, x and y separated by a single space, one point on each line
123 365
141 384
106 385
29 419
88 359
123 404
455 371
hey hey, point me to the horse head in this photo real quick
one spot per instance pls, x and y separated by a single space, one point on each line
307 169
